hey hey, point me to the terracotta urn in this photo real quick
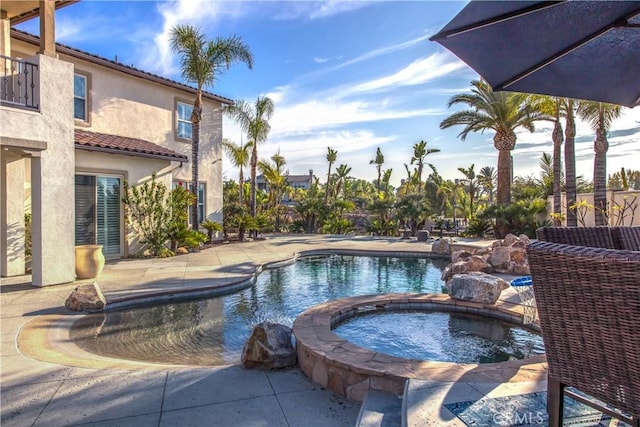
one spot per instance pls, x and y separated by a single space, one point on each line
89 261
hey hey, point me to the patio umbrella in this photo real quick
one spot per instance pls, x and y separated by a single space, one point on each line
574 49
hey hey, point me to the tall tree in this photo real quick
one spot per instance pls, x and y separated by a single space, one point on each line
239 154
420 151
332 156
201 61
254 121
600 116
470 186
487 178
378 161
502 112
342 173
570 160
553 109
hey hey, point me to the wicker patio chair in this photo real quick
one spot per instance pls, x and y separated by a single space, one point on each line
626 238
588 302
595 237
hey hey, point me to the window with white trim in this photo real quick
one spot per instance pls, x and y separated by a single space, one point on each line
80 91
183 120
201 198
98 212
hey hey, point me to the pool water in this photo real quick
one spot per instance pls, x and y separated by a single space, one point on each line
213 331
449 337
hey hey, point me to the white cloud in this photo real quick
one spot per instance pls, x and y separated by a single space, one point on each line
334 7
320 60
382 51
317 114
159 58
418 72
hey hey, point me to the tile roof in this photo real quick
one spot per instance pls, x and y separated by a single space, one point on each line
136 72
93 141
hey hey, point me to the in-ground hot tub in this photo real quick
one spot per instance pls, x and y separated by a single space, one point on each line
351 370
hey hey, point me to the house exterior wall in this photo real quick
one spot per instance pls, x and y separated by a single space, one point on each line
51 171
133 107
125 105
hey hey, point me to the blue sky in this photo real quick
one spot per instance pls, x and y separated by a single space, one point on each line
350 75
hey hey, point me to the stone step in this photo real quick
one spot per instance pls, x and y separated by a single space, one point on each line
380 409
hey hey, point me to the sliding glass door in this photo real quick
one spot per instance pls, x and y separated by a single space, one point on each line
98 212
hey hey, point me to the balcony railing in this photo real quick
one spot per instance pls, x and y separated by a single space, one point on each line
19 86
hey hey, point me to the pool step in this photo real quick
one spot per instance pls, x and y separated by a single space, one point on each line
380 409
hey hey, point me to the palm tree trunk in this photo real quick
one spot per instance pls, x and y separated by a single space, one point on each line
241 185
504 177
196 117
254 165
570 165
326 191
600 178
557 167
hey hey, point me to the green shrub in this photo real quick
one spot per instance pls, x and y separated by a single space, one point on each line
148 213
479 227
192 239
210 226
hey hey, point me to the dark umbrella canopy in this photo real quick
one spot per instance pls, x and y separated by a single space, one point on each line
574 49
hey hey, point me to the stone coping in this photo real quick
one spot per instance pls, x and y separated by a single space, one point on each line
352 371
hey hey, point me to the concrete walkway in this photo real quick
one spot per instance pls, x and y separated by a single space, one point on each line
34 392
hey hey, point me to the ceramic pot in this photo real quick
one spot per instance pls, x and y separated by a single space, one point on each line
89 261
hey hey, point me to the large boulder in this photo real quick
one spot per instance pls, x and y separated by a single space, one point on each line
518 262
86 298
460 255
500 257
476 287
466 265
269 347
441 246
509 240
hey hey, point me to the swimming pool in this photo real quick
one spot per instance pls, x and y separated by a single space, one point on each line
213 331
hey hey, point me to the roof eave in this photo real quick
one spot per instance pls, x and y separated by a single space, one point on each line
133 153
29 38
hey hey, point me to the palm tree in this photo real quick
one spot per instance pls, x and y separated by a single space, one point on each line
254 121
239 154
470 186
600 116
553 109
547 178
378 161
342 173
420 151
570 160
332 156
274 175
201 61
487 178
502 112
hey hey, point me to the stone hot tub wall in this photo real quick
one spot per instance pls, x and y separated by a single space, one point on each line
352 371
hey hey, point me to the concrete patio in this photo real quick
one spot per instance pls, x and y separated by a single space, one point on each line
35 392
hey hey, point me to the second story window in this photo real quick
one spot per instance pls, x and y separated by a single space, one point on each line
80 110
183 116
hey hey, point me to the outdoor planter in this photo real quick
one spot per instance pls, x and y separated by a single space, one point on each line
423 235
89 261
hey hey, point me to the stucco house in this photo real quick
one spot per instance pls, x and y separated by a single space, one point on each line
74 127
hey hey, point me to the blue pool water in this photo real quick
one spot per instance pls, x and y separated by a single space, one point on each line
212 331
449 337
